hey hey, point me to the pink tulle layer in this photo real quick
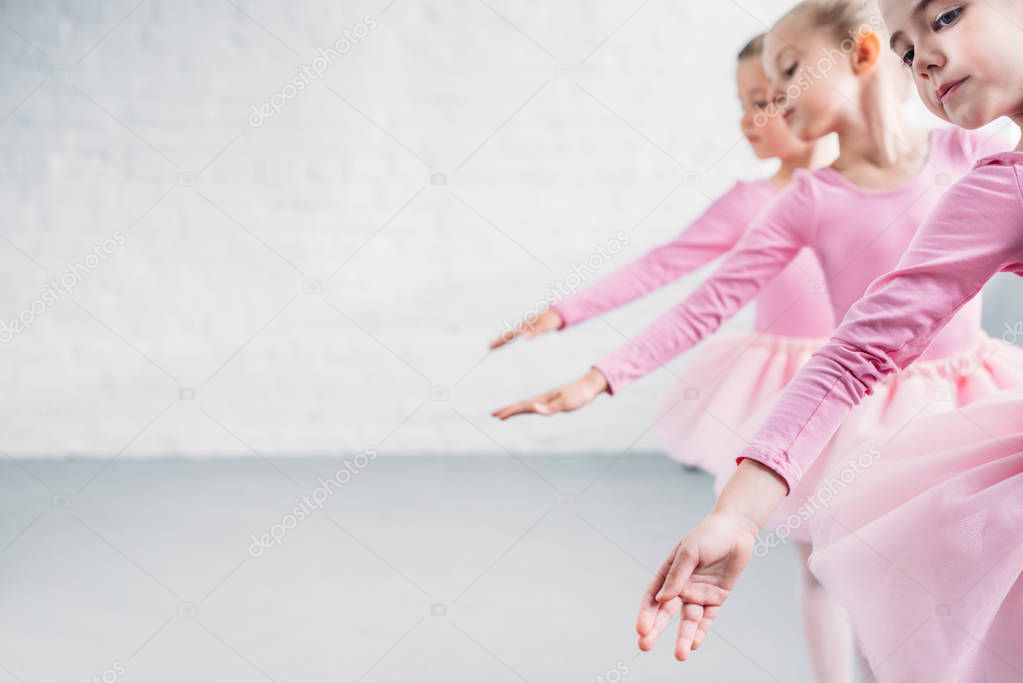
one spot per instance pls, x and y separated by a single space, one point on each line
705 419
925 548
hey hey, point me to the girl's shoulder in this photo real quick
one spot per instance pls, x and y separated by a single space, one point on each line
992 189
987 204
798 200
807 183
998 179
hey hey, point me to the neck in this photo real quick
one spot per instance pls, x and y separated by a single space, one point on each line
813 156
877 134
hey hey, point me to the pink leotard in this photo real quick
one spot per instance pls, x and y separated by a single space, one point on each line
780 308
975 232
856 234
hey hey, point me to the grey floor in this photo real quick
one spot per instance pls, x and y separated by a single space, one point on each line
417 569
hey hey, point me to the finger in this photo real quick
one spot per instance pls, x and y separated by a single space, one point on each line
704 628
530 405
686 560
692 614
550 406
665 614
543 404
515 409
500 341
649 605
506 337
703 593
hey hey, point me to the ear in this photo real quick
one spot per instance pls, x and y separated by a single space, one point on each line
866 54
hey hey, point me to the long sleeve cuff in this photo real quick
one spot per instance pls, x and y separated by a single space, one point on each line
616 375
572 312
777 461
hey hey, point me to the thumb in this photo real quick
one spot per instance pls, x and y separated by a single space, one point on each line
686 560
548 406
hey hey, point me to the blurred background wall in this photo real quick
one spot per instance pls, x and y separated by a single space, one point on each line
262 268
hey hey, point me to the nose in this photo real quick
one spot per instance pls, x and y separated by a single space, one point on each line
927 62
746 121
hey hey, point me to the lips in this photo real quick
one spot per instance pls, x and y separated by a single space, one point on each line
945 89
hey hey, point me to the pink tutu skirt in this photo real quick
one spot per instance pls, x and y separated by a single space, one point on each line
705 419
932 387
925 548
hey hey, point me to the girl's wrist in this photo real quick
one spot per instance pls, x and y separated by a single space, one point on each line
558 317
751 495
595 378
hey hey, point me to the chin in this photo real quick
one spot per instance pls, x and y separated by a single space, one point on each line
968 117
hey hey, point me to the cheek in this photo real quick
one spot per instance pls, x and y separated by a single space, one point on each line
815 102
775 129
973 59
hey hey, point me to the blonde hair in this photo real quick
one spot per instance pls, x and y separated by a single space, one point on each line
754 48
847 19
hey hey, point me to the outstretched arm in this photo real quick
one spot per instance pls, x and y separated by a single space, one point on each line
773 241
708 237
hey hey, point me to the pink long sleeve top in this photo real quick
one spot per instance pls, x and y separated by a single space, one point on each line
779 308
975 232
857 235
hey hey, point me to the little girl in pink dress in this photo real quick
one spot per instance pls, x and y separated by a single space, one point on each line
923 545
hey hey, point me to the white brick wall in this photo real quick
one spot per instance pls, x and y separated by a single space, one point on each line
107 110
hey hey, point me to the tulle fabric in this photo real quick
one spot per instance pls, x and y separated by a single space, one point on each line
925 547
704 421
937 388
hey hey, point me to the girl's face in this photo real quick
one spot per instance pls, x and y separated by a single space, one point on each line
812 77
965 57
767 135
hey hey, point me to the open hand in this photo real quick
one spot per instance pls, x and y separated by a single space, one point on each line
547 322
564 399
696 579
